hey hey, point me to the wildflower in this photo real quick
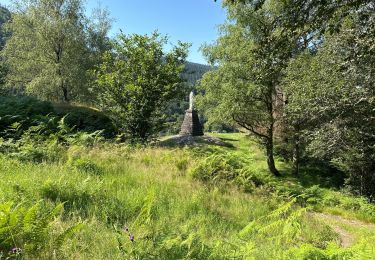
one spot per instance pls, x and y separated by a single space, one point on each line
131 237
15 250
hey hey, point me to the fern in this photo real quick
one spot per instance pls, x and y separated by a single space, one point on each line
28 228
67 234
145 215
282 225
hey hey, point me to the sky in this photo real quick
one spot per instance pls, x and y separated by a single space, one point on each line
193 21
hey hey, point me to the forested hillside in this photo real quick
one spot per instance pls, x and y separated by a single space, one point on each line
194 72
191 74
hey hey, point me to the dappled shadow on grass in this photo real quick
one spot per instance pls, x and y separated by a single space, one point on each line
87 203
195 141
229 139
311 174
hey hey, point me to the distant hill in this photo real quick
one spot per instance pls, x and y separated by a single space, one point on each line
194 72
176 109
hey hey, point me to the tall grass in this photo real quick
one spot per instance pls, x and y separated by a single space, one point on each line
142 203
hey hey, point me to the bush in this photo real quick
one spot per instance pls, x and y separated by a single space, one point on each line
217 168
86 119
25 107
19 113
221 168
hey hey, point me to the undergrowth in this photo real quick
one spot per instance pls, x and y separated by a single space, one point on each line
145 202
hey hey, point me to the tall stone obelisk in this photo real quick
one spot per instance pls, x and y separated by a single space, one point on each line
191 125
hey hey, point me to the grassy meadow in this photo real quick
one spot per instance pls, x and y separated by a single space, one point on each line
115 201
89 168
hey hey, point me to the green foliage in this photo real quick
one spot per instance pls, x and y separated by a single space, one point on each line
4 17
52 41
331 101
251 54
47 140
141 205
193 72
223 168
25 231
25 116
136 81
85 165
363 250
280 227
86 119
19 113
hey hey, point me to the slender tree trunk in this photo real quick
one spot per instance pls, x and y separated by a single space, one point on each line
65 93
59 53
296 151
270 159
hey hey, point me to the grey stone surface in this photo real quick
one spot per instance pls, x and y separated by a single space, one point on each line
191 125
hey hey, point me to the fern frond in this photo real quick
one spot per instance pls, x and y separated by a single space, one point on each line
67 234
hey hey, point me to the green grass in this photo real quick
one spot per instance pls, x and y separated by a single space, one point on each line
173 215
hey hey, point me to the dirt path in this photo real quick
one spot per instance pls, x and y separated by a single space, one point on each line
347 239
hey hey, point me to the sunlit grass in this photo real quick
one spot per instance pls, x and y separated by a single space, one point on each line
149 190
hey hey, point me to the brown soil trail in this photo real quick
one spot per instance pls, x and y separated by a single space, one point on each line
347 239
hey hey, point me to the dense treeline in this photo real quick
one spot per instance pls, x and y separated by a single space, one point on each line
4 17
62 49
56 53
194 72
299 75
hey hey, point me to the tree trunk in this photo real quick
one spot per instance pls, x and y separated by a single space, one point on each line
270 159
296 151
65 92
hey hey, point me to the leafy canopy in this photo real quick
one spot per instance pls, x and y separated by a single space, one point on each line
51 47
137 79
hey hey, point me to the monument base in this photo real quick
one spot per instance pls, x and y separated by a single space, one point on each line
191 125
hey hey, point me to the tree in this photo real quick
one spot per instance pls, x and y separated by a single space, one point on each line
306 21
136 81
4 17
331 95
251 54
48 52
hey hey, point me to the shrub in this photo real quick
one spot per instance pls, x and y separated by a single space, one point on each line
312 195
220 168
86 119
217 167
19 113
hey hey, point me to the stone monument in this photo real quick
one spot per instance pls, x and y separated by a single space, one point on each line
191 125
